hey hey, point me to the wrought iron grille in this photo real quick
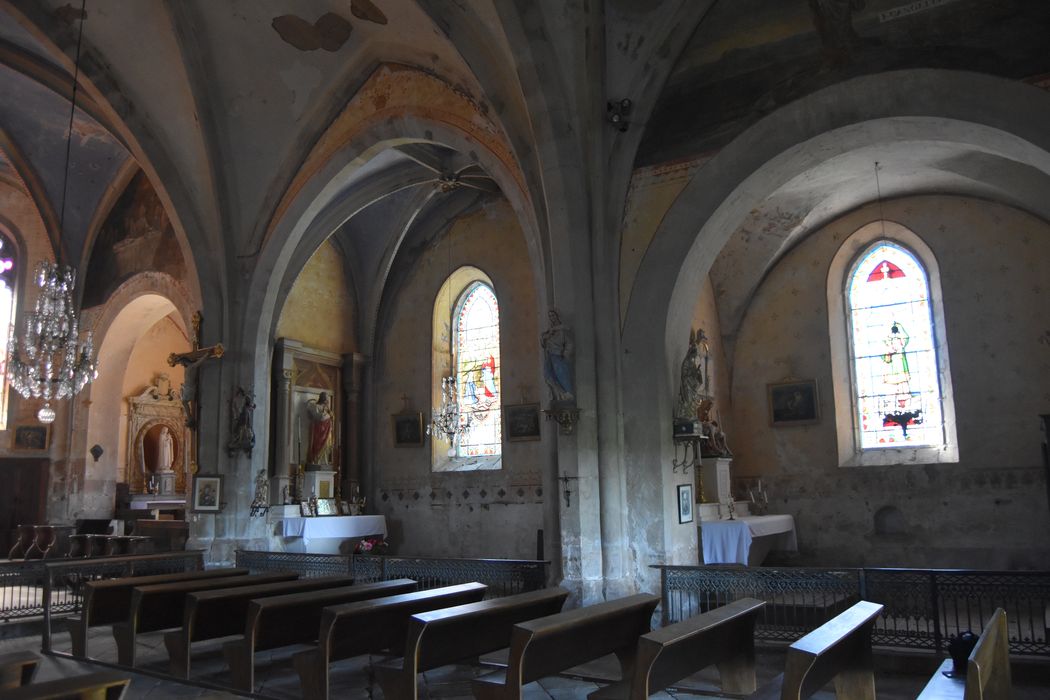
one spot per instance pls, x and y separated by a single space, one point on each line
924 608
503 576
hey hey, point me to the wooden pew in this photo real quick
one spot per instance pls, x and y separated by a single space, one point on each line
552 644
221 613
987 668
108 601
105 685
375 625
724 636
838 650
159 607
17 668
442 637
295 618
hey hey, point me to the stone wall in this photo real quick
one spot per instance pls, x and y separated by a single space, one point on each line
319 308
492 513
987 511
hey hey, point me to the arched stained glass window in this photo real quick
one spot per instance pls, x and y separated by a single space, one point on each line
7 318
896 386
477 362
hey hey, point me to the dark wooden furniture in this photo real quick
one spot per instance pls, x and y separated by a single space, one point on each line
160 606
105 685
987 668
221 613
167 535
294 618
442 637
838 650
552 644
724 636
376 625
108 601
17 669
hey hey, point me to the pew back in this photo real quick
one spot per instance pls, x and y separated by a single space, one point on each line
838 650
988 668
104 685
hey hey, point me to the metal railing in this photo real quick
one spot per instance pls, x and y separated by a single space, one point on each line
924 608
61 581
502 576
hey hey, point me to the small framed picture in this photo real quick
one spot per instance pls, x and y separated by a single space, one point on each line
31 437
327 506
207 493
521 422
793 403
408 429
305 511
685 503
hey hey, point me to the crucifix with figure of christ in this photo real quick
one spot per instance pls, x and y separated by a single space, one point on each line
190 361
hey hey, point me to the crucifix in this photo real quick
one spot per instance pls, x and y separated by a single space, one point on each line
191 384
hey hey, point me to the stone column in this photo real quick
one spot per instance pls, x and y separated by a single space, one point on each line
353 412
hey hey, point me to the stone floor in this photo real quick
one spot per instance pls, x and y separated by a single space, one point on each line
898 678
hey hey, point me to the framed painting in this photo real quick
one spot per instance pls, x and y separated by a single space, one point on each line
521 422
408 429
793 403
327 506
685 503
207 493
31 437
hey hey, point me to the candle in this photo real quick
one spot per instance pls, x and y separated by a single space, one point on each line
751 494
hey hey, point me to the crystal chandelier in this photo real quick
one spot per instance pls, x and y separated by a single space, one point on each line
448 420
52 364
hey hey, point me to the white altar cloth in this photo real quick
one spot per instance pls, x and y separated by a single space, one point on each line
730 541
324 535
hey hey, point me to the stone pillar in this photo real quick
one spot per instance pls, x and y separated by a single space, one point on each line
353 422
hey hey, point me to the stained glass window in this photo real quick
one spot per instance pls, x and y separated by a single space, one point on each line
7 317
897 395
477 364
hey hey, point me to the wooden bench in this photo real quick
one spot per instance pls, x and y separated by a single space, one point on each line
552 644
442 637
160 607
108 601
724 636
221 613
105 685
368 626
294 618
17 668
838 650
987 668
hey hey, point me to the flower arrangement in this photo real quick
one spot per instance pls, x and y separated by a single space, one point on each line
371 545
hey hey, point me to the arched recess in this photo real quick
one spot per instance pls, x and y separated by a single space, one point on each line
316 205
972 113
119 325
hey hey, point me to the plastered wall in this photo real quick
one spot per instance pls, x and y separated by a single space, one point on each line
318 310
988 511
493 513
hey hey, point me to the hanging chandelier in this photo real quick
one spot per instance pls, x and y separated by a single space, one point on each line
52 363
448 420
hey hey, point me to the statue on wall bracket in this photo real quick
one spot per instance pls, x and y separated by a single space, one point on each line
242 411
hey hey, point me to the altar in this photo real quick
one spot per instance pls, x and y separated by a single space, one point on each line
746 540
333 534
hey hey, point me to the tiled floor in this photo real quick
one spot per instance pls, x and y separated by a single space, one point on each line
352 680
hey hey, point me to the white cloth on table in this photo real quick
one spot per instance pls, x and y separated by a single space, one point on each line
335 526
729 541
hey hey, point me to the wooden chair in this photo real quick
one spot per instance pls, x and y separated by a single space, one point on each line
159 607
17 669
23 541
376 625
839 651
724 636
552 644
987 668
105 685
442 637
294 618
108 601
221 613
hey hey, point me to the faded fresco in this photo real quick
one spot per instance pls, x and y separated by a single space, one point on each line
750 57
137 236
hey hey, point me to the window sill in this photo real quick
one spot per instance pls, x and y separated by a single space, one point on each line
468 464
893 456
